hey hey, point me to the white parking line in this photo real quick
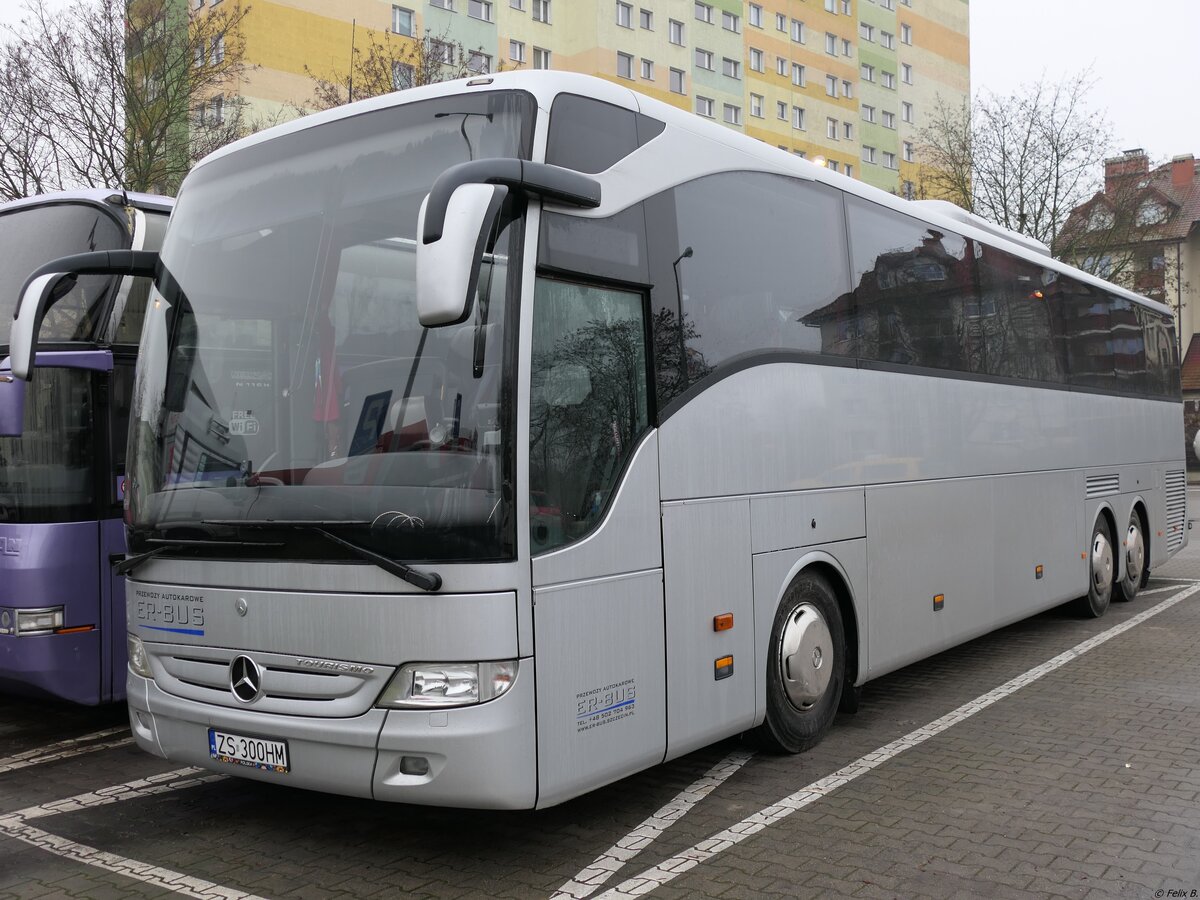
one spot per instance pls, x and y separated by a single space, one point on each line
16 825
705 850
64 749
610 861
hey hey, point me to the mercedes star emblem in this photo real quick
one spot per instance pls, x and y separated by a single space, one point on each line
245 679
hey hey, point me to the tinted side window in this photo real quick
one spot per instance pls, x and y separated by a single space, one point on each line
1162 357
1129 346
126 327
589 136
758 262
1009 329
1084 323
913 287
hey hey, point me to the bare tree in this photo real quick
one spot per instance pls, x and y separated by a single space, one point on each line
381 64
133 99
1024 161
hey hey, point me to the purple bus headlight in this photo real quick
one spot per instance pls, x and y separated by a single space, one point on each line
425 685
139 661
18 622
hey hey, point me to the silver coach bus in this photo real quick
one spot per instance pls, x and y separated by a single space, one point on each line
497 439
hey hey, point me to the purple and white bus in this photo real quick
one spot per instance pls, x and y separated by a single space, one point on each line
62 447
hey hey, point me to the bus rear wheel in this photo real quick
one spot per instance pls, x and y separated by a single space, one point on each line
806 667
1136 560
1101 569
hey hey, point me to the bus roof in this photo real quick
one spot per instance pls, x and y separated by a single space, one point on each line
545 85
148 202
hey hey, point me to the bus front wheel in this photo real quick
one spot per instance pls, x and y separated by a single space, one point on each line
806 666
1101 572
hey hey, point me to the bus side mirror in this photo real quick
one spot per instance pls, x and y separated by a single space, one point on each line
12 406
39 295
448 267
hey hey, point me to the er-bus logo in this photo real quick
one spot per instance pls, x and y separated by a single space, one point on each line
11 546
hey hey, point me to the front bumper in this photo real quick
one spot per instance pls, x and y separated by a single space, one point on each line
477 756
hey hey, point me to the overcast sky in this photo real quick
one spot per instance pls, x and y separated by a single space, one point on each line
1143 53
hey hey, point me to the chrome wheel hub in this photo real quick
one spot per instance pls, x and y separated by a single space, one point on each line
1135 554
805 656
1102 563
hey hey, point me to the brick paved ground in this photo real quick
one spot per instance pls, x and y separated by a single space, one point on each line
1081 784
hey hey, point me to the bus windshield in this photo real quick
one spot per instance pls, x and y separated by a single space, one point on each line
33 235
285 383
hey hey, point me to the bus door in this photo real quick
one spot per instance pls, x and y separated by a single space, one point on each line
110 462
595 538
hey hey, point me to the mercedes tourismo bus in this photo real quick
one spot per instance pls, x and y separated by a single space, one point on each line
496 439
62 453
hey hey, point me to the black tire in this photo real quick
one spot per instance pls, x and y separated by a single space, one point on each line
1136 571
809 609
1101 573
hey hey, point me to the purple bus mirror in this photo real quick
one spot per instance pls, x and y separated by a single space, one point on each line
12 405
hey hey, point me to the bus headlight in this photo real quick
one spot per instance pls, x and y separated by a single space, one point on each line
139 661
19 622
425 685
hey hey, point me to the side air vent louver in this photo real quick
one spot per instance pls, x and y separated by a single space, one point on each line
1176 491
1103 485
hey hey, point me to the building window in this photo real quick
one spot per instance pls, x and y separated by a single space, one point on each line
868 72
541 13
479 63
646 19
480 9
516 51
868 113
797 31
704 59
831 85
847 48
541 58
517 4
216 110
798 74
675 33
866 32
442 51
906 73
849 170
704 13
755 15
216 50
831 129
402 21
756 105
831 6
648 69
848 131
887 79
677 82
704 107
443 4
889 119
908 151
868 154
780 22
906 34
781 110
781 66
845 7
888 4
831 44
889 160
624 65
402 75
798 117
756 60
733 114
887 40
834 165
847 89
906 112
624 15
731 67
730 22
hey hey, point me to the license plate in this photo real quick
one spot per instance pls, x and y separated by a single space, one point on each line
243 750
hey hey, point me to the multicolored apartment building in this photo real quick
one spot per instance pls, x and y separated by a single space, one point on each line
843 80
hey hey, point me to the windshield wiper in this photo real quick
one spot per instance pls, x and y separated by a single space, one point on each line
132 562
426 581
